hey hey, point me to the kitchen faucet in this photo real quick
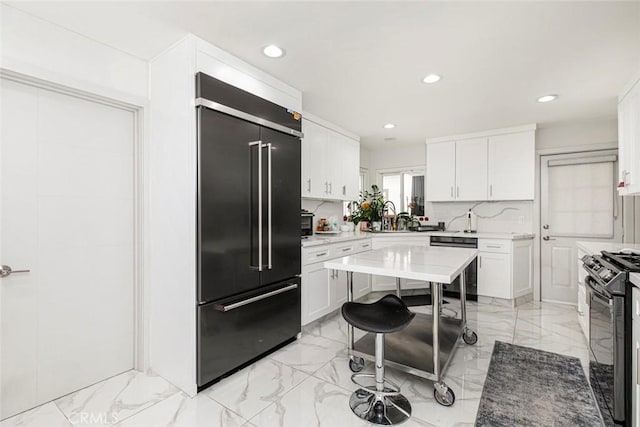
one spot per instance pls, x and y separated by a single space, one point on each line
387 223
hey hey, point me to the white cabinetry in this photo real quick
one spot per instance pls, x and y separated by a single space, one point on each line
324 291
330 163
583 301
492 165
505 268
441 172
511 166
471 169
629 139
635 364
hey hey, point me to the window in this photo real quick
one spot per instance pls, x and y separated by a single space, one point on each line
405 189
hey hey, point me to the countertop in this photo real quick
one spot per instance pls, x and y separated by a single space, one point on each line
424 263
323 239
594 246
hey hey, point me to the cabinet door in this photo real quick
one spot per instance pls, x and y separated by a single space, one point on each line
511 166
316 292
350 170
361 285
441 172
333 165
339 288
471 169
629 141
494 275
314 147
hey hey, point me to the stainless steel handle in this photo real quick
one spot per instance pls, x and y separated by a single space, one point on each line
7 271
309 185
321 254
494 246
346 249
638 366
225 308
344 190
269 263
490 189
259 144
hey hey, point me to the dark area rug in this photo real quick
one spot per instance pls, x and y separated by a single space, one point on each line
529 387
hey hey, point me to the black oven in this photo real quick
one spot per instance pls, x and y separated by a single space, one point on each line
471 272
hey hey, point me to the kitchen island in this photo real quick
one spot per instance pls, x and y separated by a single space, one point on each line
427 345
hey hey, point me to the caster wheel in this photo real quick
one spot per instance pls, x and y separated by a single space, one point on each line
446 399
470 338
356 364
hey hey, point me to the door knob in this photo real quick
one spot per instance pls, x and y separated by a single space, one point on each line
7 271
546 226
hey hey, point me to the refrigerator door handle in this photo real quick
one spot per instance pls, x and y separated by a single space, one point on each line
225 308
269 148
259 144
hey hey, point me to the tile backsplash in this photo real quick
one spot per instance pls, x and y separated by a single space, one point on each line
511 216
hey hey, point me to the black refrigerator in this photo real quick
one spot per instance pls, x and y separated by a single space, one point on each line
248 250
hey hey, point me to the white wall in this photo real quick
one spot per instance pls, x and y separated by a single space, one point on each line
586 132
39 49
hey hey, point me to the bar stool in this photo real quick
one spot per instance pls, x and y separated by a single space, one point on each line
382 404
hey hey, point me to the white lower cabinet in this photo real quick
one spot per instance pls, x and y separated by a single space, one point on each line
505 268
494 270
324 291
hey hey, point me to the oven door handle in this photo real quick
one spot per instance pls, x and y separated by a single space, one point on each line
596 292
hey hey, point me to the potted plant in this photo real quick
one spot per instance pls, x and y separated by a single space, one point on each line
368 209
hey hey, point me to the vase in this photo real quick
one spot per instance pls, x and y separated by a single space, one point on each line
363 226
375 225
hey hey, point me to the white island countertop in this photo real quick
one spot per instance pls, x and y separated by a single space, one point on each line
429 264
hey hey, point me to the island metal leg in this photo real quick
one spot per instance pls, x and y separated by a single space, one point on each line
442 393
398 287
468 336
356 364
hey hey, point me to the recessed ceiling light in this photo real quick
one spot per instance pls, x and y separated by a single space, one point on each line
273 51
389 126
547 98
431 78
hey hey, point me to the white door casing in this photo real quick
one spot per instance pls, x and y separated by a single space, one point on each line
68 215
578 202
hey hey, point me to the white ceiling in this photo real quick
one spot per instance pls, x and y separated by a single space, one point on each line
360 64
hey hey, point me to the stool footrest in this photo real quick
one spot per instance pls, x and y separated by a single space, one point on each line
388 384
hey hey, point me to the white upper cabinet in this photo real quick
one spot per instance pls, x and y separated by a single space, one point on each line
441 172
511 166
330 163
471 169
491 165
629 140
314 149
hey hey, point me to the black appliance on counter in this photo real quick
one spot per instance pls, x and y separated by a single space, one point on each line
249 265
609 293
306 223
453 289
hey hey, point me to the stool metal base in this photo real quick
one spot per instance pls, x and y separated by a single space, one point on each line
383 410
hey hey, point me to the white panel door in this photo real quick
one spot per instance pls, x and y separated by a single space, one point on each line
67 216
441 172
471 169
511 166
577 202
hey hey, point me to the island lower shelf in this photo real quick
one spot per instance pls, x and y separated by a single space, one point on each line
411 350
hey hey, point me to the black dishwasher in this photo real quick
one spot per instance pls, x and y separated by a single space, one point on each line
453 289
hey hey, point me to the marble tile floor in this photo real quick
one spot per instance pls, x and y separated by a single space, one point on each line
307 383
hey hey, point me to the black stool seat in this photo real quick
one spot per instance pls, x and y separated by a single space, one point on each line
388 314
